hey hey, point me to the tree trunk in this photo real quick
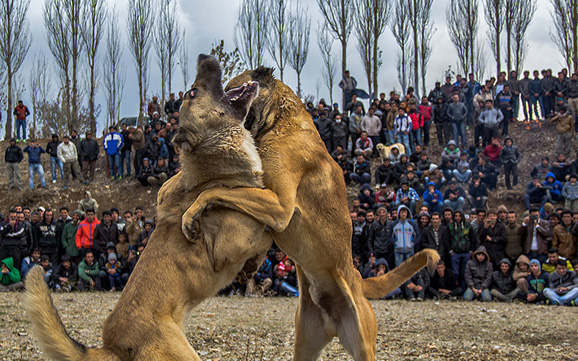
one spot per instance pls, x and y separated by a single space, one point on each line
298 84
9 115
575 34
91 102
73 121
343 67
141 99
498 47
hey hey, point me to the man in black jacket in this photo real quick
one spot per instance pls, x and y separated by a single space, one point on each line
13 238
13 157
89 153
487 172
492 236
105 232
47 242
55 162
436 236
379 237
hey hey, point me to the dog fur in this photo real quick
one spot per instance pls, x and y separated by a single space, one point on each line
174 274
385 150
305 205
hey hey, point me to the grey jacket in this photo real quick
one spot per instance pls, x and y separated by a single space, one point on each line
479 275
491 118
457 112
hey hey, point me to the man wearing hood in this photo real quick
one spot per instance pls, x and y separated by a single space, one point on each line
366 197
521 273
451 152
537 282
478 276
510 157
570 193
55 162
503 285
553 188
87 203
461 245
404 235
380 268
433 198
493 237
562 288
10 279
400 168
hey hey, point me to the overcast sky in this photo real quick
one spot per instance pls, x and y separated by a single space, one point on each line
206 22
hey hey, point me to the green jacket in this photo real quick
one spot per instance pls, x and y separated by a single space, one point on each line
13 276
69 239
461 237
92 270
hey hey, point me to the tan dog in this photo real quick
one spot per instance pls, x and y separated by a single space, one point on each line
174 275
305 206
385 150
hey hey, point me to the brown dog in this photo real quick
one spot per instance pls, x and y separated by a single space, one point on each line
174 275
305 206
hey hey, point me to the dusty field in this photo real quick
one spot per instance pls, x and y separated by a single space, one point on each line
262 329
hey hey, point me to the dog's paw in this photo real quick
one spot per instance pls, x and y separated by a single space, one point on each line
191 227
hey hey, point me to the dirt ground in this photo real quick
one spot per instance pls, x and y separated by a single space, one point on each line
240 328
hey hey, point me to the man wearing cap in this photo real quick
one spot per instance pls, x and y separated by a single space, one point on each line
89 154
13 157
113 143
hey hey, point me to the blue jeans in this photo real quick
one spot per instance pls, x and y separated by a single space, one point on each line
390 134
438 207
535 102
469 295
459 261
56 164
404 139
459 130
462 178
458 204
125 157
115 161
401 257
411 205
37 167
415 136
561 299
20 123
364 178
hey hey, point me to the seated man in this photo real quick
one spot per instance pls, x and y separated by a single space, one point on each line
477 194
30 261
10 279
535 193
406 196
416 286
553 188
550 264
379 268
537 282
521 273
561 290
462 172
433 198
478 276
503 285
346 167
88 273
146 171
541 169
65 276
570 193
561 168
366 197
262 280
443 283
385 173
454 197
413 181
364 146
160 173
488 173
434 174
384 197
361 171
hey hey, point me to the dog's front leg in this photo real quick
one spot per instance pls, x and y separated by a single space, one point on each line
263 205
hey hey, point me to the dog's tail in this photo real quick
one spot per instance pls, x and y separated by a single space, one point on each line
53 339
378 287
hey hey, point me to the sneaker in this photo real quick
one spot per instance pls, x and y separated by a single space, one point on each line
119 177
112 178
573 303
419 299
54 181
411 299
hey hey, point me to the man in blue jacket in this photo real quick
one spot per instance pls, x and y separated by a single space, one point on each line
553 188
404 235
113 144
34 151
433 198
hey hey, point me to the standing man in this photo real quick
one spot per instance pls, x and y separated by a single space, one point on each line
85 234
372 125
34 151
21 111
55 163
67 154
113 143
171 106
126 147
526 93
13 157
457 113
348 84
137 138
89 154
515 89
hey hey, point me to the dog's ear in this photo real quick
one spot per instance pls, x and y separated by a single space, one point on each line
209 75
263 75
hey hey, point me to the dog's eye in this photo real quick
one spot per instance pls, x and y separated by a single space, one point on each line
191 93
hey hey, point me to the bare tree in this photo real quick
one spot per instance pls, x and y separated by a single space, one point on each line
371 22
251 31
279 39
338 15
62 19
92 32
463 24
114 72
565 36
400 29
167 36
231 62
299 29
39 81
426 31
522 19
325 43
140 22
184 61
494 14
14 44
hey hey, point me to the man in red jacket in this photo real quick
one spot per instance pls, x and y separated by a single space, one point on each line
492 151
21 112
85 234
426 112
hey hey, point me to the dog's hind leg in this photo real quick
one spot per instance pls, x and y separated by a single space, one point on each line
311 333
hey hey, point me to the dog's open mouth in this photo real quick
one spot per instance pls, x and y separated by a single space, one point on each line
246 92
